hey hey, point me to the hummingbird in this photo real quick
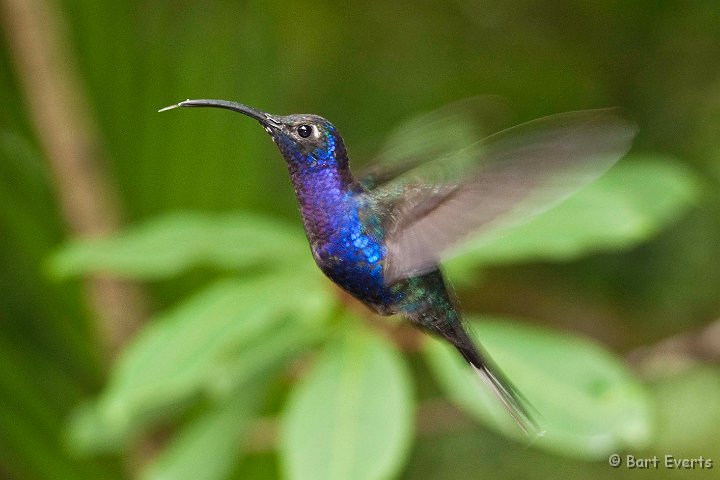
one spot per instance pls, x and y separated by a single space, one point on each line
381 236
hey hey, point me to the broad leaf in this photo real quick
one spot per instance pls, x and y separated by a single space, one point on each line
586 401
350 418
208 345
168 245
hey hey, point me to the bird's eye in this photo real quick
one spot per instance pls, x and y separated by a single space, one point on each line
304 130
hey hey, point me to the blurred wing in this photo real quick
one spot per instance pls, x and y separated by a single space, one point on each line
501 181
431 137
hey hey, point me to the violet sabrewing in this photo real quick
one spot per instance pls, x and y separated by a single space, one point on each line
381 237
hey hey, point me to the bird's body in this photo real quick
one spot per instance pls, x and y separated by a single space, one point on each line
380 238
347 239
332 204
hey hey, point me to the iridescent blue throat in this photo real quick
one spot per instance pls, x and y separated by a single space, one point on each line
345 238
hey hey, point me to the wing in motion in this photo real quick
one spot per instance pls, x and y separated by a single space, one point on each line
427 207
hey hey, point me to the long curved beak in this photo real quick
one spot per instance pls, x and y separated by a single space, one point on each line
265 119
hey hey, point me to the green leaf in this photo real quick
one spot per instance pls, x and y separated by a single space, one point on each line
628 205
586 400
168 245
209 446
286 340
208 345
350 418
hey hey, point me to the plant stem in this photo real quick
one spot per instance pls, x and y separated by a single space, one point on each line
70 139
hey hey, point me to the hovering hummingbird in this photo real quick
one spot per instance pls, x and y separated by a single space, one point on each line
381 237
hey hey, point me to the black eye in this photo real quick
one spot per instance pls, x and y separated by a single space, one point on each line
304 130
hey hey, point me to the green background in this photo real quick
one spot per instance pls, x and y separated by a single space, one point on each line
224 380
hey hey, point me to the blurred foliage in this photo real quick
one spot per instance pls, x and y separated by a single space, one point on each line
250 366
354 405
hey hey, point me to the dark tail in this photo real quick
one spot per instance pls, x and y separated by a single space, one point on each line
431 307
513 401
448 325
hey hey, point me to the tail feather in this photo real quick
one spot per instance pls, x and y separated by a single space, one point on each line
431 307
513 401
510 397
